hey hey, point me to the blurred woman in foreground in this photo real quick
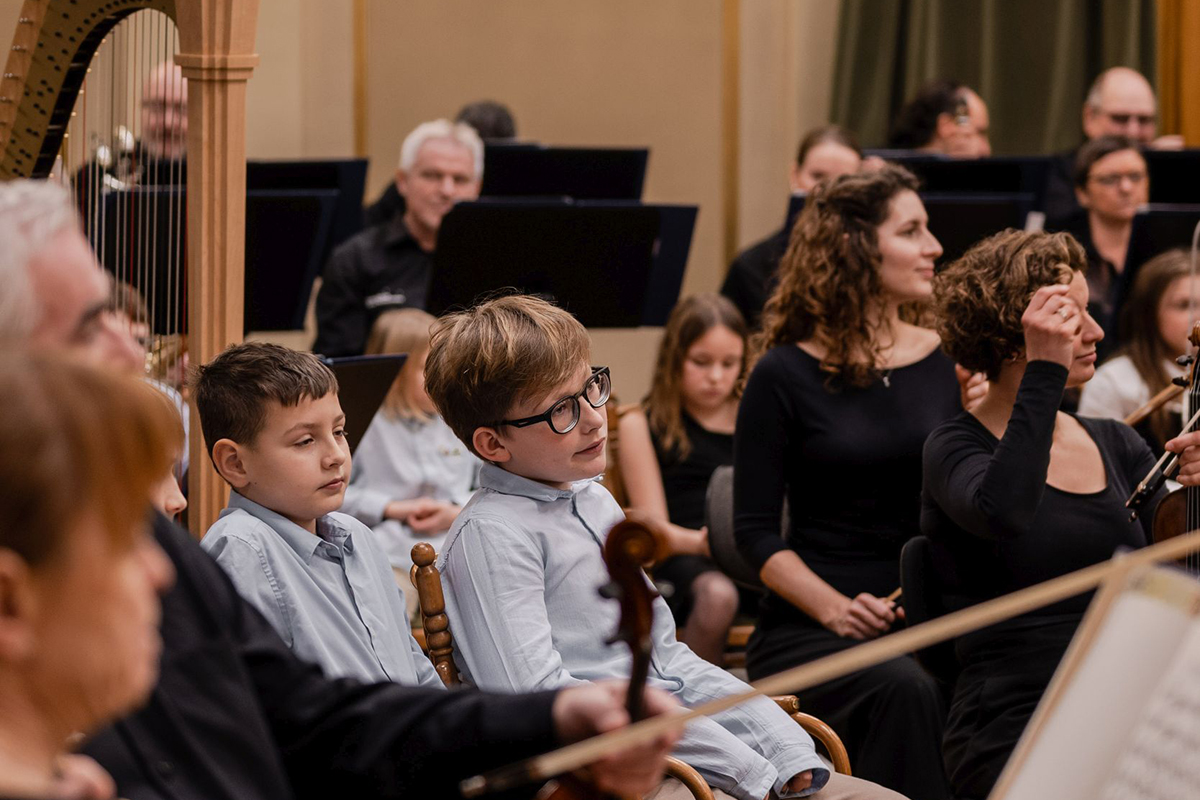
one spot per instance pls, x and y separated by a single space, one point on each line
80 574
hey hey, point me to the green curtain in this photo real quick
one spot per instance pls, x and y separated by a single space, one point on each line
1030 60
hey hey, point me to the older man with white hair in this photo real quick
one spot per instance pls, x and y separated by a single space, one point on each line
388 265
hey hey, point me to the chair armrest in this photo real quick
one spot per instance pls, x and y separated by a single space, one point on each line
817 730
690 778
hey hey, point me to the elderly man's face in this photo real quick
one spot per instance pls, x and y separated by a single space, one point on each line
72 292
1127 108
442 175
164 113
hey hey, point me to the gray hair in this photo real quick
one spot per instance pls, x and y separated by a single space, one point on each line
458 132
31 213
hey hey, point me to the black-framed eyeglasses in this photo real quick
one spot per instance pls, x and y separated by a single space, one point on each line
563 416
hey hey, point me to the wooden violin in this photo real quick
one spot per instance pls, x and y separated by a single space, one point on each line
629 546
1179 511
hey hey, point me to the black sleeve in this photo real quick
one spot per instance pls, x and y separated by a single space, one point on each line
995 494
341 307
746 290
759 447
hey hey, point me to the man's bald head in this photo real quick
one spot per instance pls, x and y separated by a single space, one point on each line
164 112
1121 103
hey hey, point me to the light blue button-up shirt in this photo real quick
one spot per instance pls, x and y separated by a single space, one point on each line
332 596
521 568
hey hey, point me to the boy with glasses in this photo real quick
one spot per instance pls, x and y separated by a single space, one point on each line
522 563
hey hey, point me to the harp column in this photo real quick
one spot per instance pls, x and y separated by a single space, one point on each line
216 54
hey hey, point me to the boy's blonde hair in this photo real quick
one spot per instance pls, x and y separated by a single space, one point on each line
401 330
488 359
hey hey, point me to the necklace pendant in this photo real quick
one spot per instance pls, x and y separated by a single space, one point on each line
887 380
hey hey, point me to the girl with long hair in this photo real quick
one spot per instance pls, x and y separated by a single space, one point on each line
1155 323
670 446
832 420
411 474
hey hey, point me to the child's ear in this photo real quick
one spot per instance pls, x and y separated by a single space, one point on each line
18 607
487 443
227 458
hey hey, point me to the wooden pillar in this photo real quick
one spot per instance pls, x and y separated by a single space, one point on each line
1179 69
216 53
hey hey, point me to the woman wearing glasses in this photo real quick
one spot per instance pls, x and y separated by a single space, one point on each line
1111 182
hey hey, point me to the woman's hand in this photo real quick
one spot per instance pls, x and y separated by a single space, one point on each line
1187 445
1051 322
864 617
972 387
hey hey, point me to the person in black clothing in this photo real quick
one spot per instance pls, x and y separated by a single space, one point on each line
825 153
1111 183
80 574
235 715
943 117
1120 102
833 418
388 265
669 447
1016 491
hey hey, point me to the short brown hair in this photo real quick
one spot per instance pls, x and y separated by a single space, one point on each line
827 133
503 352
1096 149
76 439
980 298
401 330
232 390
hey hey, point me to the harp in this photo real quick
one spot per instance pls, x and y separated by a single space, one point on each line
72 59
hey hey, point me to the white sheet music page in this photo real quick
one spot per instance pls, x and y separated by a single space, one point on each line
1162 758
1071 755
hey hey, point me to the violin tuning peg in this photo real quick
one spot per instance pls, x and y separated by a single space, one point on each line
1180 381
665 588
610 590
1185 361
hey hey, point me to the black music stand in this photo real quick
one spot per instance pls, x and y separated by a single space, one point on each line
612 265
286 233
1157 228
961 220
346 176
524 169
999 175
958 219
1174 176
363 383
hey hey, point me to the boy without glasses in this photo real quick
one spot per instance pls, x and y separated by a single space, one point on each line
522 562
275 432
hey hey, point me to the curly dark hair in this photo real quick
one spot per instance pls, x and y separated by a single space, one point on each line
916 122
980 298
829 276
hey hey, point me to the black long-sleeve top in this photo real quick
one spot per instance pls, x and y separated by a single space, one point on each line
236 716
848 461
996 524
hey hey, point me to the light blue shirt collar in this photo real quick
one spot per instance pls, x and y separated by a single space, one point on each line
304 543
501 480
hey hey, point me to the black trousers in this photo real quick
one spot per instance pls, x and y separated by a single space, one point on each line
891 716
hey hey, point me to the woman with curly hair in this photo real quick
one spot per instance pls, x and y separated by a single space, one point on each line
832 420
1016 491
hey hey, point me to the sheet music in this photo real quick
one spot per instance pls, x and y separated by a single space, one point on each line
1090 726
1162 758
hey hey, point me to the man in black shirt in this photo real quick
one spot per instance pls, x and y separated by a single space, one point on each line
388 265
235 714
